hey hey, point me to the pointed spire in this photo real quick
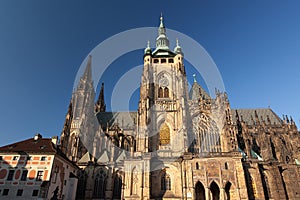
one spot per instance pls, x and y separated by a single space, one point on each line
100 105
148 48
177 49
161 20
162 41
88 69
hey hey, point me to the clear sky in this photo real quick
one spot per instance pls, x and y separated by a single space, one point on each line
255 45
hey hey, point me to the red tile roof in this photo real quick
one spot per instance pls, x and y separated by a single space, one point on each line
41 145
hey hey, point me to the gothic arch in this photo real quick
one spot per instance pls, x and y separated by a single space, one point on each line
100 183
160 92
227 189
118 183
134 182
162 74
199 191
215 191
164 134
81 185
165 181
206 134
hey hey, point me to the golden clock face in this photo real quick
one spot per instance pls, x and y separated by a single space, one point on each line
163 82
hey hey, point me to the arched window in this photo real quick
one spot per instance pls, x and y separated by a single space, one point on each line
215 191
117 187
199 191
166 92
165 182
227 190
134 182
197 165
164 134
160 92
226 165
81 185
99 185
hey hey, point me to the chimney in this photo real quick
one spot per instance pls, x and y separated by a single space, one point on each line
54 140
37 136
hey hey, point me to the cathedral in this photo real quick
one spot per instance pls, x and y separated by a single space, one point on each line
181 143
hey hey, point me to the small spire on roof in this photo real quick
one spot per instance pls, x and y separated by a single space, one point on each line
148 48
161 20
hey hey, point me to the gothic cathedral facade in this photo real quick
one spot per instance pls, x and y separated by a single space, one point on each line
180 143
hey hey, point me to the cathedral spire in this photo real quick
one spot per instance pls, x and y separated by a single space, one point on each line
162 41
100 105
88 70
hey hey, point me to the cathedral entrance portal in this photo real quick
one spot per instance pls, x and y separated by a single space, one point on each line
215 191
200 191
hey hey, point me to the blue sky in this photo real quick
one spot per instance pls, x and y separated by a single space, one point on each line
255 45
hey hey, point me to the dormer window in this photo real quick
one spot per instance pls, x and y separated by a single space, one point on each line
16 158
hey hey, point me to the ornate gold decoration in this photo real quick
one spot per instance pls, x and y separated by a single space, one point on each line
164 134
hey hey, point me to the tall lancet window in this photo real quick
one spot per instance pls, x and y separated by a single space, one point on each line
163 90
100 184
164 134
166 92
165 181
160 92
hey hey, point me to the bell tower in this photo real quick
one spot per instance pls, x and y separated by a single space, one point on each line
162 113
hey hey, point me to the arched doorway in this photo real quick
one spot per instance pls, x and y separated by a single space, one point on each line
227 190
199 191
215 191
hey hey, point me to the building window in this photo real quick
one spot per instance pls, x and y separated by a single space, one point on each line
1 158
171 60
19 192
226 165
165 182
117 187
166 92
56 170
5 192
163 60
35 193
164 134
16 158
24 175
100 184
160 92
29 157
163 92
10 175
82 179
43 158
39 176
197 165
156 60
